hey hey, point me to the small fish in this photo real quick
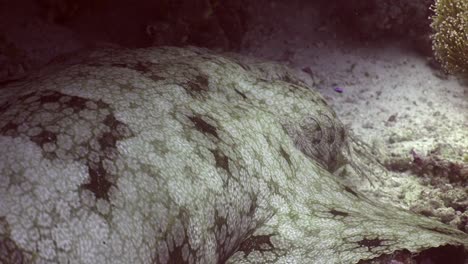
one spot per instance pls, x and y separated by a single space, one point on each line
338 89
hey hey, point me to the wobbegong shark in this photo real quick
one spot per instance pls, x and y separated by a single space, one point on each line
183 155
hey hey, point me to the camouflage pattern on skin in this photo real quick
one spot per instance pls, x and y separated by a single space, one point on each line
172 155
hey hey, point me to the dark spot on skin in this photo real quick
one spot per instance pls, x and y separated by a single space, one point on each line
286 156
11 253
199 84
221 160
9 129
111 121
50 97
101 104
156 78
44 137
338 213
76 103
100 180
260 243
346 188
238 243
219 223
176 257
98 184
203 126
176 254
141 67
370 243
241 94
107 140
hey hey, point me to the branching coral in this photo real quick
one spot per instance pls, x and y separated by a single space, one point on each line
450 40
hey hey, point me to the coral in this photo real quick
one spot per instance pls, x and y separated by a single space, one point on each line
450 40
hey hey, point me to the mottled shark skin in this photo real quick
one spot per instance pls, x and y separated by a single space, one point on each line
171 155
